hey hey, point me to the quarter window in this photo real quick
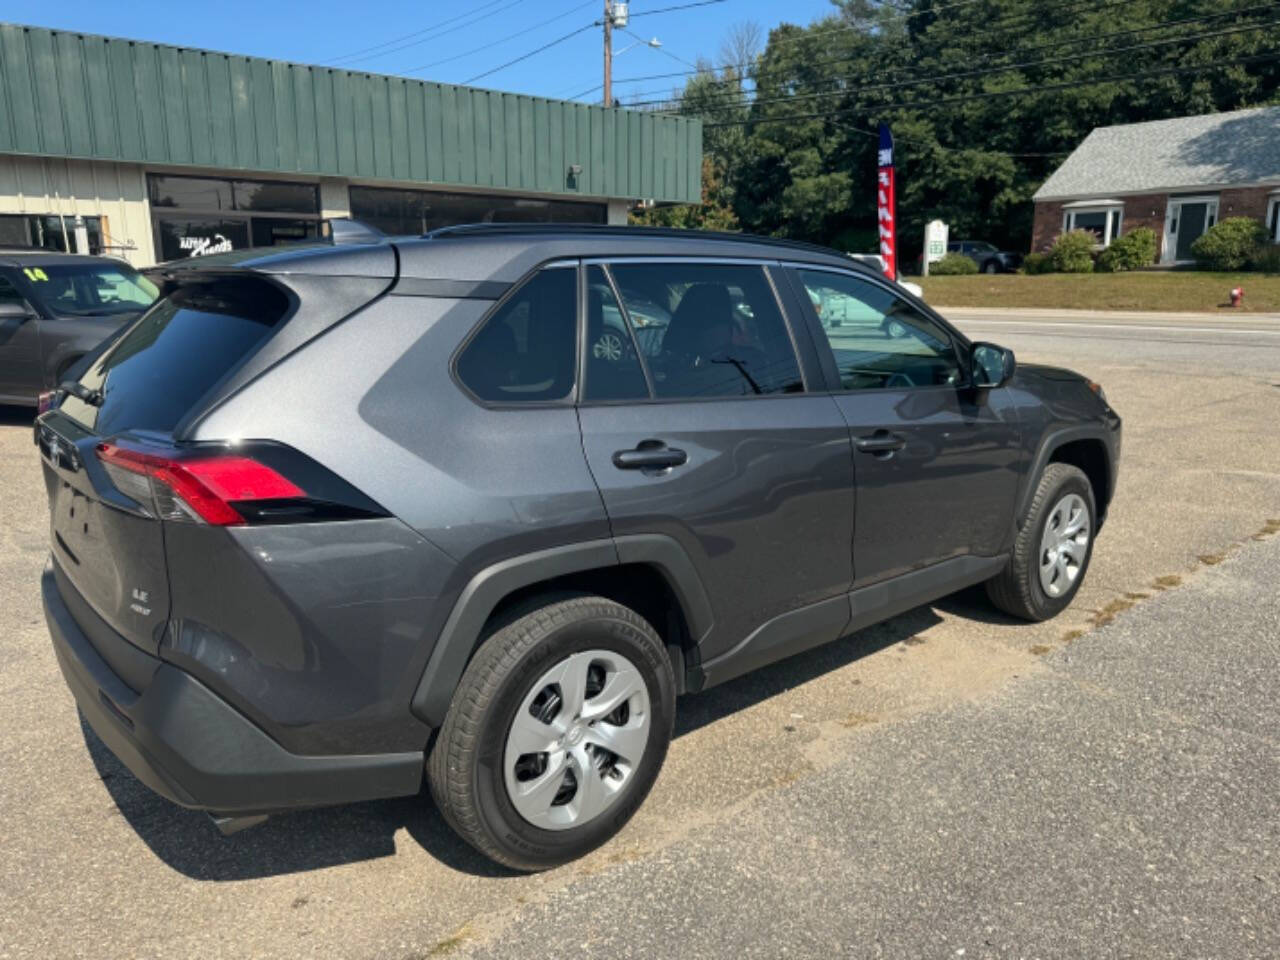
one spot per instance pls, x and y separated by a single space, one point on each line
708 330
879 340
524 353
613 363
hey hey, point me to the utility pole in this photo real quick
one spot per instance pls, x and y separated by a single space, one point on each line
608 53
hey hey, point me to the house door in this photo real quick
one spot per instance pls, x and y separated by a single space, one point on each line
1187 220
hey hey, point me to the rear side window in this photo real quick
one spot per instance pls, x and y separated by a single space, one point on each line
179 349
524 352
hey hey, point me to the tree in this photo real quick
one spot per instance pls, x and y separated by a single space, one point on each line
967 90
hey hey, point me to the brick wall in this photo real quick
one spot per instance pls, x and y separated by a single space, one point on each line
1248 202
1147 210
1046 225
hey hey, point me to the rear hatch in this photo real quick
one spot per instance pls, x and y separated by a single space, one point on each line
113 472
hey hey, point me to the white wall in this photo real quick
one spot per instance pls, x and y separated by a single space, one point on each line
116 191
618 213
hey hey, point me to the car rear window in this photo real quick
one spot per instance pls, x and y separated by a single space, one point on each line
162 365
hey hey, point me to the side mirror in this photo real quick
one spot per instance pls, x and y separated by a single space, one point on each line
991 366
15 311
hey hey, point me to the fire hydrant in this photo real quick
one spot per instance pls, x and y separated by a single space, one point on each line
1237 296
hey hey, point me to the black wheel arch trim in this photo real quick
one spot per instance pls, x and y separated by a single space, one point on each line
1049 444
486 590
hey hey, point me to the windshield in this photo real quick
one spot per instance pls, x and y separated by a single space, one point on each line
90 289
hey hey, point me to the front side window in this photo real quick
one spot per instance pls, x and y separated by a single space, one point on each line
9 293
708 330
878 339
524 352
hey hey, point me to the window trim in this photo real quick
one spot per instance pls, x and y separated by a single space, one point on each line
811 388
961 346
1108 208
1273 216
571 398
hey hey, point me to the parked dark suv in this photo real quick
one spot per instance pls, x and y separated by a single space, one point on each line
54 309
325 516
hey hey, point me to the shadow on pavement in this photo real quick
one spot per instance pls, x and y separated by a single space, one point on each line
187 840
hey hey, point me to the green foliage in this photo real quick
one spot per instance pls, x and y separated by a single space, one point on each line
1267 258
712 214
1072 252
1229 244
1034 263
1131 251
952 265
793 140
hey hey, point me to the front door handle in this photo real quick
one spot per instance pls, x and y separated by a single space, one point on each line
882 441
650 455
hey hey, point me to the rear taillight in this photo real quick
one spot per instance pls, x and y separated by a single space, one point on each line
199 488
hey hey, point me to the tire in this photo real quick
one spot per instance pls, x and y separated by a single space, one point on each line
1019 590
991 267
467 771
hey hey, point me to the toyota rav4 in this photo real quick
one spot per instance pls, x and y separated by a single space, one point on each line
484 503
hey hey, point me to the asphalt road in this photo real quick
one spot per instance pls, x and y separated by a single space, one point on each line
947 781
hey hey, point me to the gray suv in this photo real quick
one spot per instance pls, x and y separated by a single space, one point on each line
54 309
486 502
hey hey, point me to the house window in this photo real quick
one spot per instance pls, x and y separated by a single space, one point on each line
1273 218
1102 219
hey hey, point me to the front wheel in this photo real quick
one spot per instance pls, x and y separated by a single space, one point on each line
556 732
991 267
1052 551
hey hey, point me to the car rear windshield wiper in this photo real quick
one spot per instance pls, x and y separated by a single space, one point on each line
78 390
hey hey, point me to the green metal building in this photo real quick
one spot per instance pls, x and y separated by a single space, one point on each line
152 152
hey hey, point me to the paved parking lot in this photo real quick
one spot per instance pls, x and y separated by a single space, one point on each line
947 781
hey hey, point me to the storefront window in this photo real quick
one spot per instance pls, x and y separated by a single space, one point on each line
414 212
181 237
258 213
276 197
190 193
44 231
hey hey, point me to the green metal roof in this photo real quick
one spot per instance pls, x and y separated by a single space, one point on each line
79 95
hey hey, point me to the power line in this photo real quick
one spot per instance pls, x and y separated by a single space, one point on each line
741 99
875 135
683 6
501 40
531 53
358 54
996 94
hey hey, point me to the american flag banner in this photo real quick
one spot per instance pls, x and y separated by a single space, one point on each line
885 210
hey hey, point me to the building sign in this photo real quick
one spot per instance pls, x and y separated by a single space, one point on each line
199 246
885 208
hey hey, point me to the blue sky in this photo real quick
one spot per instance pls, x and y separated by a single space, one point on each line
325 30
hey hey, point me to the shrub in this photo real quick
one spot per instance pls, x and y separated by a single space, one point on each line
1230 244
1132 251
953 264
1037 263
1072 252
1266 259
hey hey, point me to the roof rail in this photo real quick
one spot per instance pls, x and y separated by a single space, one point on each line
621 230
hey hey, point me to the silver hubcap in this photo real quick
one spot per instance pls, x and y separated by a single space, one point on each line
577 739
608 347
1064 544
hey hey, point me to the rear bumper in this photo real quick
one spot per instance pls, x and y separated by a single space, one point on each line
189 745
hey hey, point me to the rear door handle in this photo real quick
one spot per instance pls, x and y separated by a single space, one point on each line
650 455
882 441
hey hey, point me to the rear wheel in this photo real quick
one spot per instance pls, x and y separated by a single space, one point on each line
991 267
1052 551
556 733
